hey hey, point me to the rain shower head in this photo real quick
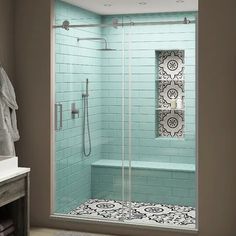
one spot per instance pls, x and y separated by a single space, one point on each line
106 49
99 39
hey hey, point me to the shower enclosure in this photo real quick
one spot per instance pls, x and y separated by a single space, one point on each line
125 117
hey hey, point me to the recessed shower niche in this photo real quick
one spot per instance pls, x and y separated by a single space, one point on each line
170 93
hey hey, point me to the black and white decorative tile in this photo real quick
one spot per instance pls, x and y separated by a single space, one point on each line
171 64
171 123
168 90
170 86
151 213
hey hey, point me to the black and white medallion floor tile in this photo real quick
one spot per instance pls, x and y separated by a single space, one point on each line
150 213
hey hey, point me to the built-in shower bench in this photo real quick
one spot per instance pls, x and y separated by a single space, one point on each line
146 165
169 183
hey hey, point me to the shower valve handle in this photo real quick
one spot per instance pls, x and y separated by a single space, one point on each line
74 110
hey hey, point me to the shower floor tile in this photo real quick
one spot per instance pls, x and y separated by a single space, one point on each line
141 213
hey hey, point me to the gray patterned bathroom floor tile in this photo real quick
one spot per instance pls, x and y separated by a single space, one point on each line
148 213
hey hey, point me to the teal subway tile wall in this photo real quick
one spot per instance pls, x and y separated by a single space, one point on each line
152 182
76 61
78 178
145 41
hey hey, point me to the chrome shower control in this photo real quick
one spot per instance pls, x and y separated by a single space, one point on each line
74 110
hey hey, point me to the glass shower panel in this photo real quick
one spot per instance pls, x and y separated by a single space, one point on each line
89 117
127 118
115 158
162 175
115 71
78 114
112 124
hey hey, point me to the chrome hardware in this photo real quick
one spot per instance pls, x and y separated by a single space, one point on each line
66 25
74 110
58 105
86 94
115 23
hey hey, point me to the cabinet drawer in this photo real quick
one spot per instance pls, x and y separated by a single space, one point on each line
12 191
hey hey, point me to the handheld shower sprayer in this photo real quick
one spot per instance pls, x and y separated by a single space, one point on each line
87 87
86 123
86 94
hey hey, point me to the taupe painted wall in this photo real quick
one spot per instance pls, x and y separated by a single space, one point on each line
7 37
217 115
32 43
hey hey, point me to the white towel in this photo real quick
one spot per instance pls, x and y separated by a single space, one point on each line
8 123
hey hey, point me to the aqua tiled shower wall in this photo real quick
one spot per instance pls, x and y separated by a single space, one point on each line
76 61
148 185
144 42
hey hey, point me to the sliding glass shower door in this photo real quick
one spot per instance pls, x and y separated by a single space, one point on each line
160 124
91 112
124 112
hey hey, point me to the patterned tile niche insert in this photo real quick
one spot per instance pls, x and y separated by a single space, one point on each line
169 87
141 213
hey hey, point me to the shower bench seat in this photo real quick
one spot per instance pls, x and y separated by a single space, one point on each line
146 165
167 183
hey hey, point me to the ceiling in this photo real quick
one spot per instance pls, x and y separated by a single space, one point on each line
111 7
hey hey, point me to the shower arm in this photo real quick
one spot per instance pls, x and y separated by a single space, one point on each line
94 39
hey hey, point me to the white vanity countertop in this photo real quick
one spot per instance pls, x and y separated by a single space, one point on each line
11 173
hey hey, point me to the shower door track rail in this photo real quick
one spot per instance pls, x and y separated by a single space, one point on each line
66 24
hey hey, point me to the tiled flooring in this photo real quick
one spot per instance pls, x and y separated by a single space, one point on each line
147 213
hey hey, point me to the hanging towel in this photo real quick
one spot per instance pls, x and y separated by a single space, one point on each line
8 123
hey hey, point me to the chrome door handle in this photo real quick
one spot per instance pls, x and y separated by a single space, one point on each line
61 125
58 105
